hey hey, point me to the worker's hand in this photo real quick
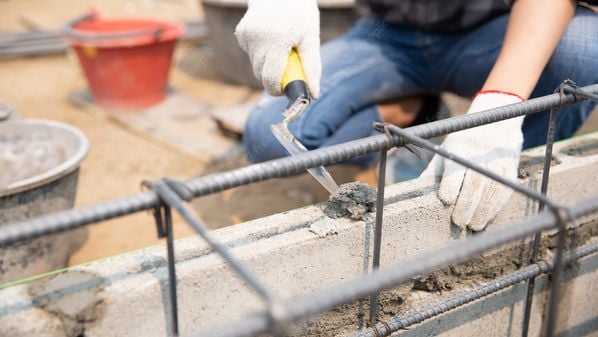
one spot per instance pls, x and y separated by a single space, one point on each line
497 147
268 32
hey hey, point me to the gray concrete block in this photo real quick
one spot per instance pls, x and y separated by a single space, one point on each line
294 253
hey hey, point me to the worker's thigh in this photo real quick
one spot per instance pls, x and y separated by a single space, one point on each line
371 63
468 59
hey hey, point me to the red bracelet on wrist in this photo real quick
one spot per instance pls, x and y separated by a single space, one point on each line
497 92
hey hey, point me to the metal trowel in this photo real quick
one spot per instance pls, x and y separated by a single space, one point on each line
295 88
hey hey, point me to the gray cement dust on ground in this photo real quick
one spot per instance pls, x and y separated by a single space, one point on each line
352 200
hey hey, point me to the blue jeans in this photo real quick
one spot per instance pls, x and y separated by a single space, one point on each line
376 62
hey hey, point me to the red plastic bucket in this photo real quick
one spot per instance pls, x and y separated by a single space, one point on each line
126 61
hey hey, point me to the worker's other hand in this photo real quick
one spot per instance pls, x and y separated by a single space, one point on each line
268 32
497 147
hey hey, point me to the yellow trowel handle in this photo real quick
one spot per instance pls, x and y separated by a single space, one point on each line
293 79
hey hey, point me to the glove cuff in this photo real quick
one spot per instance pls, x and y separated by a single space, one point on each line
491 99
483 92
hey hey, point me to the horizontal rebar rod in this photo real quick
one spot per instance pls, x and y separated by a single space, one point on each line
533 270
326 299
470 164
278 168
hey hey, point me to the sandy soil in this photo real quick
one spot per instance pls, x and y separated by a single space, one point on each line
39 88
120 159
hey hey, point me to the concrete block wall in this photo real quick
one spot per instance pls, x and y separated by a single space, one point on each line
296 252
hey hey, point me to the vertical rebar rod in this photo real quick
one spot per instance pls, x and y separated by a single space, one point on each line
172 281
169 197
163 219
563 218
541 205
378 231
562 214
169 194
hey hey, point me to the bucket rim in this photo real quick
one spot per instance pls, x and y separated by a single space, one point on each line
57 172
163 31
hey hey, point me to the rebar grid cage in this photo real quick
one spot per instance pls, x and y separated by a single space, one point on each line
166 194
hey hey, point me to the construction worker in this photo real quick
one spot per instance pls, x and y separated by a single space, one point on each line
400 55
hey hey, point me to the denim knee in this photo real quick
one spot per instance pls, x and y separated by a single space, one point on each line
258 140
577 51
575 58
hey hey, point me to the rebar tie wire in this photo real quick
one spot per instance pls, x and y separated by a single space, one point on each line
172 193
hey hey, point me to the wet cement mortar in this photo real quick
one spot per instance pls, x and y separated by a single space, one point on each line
581 149
433 287
351 200
76 310
530 165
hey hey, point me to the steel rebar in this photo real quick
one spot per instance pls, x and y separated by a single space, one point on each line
326 299
378 230
283 167
438 149
280 314
172 280
582 93
561 213
538 236
550 135
564 219
170 198
531 271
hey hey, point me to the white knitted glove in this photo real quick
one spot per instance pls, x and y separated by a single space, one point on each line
496 147
268 32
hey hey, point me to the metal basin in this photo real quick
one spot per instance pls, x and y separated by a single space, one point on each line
39 169
232 63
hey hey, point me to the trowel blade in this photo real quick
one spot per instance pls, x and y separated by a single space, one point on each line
294 147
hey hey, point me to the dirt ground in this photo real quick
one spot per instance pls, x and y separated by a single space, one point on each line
119 159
